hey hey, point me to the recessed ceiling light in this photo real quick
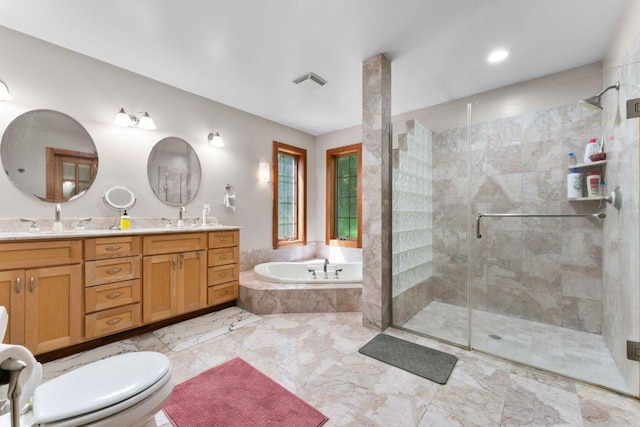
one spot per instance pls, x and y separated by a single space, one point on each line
498 55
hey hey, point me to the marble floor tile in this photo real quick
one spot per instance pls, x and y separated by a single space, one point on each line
190 332
58 367
316 357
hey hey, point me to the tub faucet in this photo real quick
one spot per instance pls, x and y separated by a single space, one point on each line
57 225
181 212
324 268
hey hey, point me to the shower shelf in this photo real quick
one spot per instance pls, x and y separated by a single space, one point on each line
588 165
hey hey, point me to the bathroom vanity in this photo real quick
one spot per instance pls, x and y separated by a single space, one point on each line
63 289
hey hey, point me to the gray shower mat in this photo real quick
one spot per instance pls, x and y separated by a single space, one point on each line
426 362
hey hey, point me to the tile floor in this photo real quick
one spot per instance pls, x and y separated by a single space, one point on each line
316 357
576 354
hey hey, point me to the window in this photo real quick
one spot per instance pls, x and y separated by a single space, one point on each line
344 196
289 195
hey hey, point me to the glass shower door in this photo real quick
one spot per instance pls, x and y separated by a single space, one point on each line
548 292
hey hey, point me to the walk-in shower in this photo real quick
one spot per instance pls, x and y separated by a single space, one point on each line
552 283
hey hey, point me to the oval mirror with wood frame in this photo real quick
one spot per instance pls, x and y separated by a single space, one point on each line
49 155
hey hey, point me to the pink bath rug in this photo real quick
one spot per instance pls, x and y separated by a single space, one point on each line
237 394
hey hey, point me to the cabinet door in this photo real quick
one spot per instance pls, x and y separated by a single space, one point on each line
192 283
159 287
53 307
12 298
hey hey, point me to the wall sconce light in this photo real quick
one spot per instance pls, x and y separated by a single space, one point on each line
4 92
125 119
264 172
215 140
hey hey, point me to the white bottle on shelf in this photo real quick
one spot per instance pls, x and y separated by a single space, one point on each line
574 184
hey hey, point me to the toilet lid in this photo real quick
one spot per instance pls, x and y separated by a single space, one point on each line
98 385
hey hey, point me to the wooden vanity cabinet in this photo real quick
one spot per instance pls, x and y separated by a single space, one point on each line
41 287
112 293
174 275
223 267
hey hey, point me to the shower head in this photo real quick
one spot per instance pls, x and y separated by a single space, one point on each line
595 102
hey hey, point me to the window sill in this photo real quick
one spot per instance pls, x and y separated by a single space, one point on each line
343 243
287 243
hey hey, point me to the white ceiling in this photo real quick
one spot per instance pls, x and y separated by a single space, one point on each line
245 53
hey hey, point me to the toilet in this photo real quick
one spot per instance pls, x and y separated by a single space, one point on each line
124 391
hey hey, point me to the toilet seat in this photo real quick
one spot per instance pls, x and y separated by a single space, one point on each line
101 389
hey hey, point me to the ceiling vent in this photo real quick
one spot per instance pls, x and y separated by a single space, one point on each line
310 79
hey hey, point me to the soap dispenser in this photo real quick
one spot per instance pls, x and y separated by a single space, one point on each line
125 221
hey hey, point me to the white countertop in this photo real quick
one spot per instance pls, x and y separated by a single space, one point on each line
69 234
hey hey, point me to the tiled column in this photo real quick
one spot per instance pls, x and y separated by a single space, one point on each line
376 192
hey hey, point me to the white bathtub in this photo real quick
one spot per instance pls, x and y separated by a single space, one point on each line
298 272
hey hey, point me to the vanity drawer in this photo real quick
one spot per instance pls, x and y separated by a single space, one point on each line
223 256
112 295
111 321
222 274
223 239
111 270
165 244
40 253
222 293
111 247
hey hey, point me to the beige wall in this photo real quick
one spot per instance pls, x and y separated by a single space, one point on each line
42 75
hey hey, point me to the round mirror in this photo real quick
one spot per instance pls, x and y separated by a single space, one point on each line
174 171
119 198
49 155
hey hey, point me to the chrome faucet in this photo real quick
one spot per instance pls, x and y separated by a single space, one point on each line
57 225
324 268
181 212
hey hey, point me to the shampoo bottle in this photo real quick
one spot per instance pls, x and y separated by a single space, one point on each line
125 221
574 185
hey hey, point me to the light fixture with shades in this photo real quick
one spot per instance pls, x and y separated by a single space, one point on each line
125 119
264 172
4 92
215 140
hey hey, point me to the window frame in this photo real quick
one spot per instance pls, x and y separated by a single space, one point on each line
330 230
301 217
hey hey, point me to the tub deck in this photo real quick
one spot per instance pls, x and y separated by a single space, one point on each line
262 297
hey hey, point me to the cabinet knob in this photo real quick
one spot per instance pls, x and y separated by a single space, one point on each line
115 321
113 248
113 270
114 295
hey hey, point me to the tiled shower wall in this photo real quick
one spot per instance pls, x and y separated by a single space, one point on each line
412 223
542 269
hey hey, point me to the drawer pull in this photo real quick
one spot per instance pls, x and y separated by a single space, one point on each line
224 256
113 270
114 295
224 274
224 239
113 248
115 321
224 292
18 285
32 284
